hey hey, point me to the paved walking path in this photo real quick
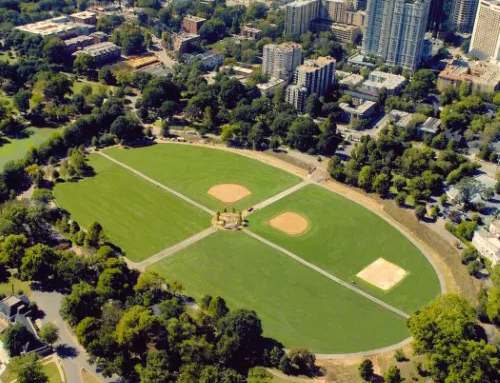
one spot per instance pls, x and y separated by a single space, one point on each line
328 275
172 249
149 179
281 195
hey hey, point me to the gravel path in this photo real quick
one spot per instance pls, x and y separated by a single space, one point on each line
279 196
149 179
173 249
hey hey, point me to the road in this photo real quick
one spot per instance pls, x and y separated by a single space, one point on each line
73 356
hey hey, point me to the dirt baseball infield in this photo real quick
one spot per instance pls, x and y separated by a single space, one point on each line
290 223
229 193
382 274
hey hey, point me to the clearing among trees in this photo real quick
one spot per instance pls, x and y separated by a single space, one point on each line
382 274
289 222
229 193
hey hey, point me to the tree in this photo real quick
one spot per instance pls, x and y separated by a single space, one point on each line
31 372
15 339
22 100
299 361
158 364
303 134
393 375
259 375
132 329
12 249
366 370
382 184
365 177
84 65
493 305
83 302
468 188
495 276
38 264
95 235
328 139
420 212
130 38
54 50
57 87
126 129
49 333
400 199
113 284
218 307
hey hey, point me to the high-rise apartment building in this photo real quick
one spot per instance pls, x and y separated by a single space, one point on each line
463 13
299 14
486 34
395 30
314 76
280 61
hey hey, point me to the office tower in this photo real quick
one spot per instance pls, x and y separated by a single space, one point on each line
314 76
395 31
485 40
280 61
463 14
437 16
299 14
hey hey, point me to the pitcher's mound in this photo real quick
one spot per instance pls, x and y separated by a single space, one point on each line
290 223
382 274
229 193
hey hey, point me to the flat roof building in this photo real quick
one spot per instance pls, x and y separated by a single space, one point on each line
78 42
268 88
102 52
352 80
84 17
391 82
314 76
250 32
429 128
359 111
184 42
482 76
192 24
61 27
344 33
280 61
487 244
485 41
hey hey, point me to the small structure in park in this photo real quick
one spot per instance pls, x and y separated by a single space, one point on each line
229 221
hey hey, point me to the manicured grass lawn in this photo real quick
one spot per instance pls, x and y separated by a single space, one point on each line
6 288
136 215
297 305
344 238
193 170
16 149
52 372
96 87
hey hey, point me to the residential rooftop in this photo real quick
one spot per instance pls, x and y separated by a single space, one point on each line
378 79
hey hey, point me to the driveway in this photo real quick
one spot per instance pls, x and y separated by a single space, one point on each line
72 354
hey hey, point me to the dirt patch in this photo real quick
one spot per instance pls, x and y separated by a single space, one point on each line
290 223
229 193
382 274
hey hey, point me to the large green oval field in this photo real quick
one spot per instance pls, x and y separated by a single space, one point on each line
300 305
